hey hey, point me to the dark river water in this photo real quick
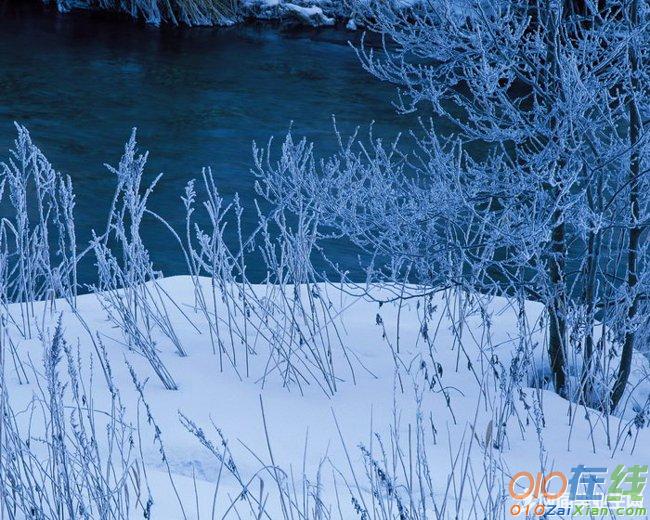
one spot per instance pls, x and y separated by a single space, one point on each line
199 97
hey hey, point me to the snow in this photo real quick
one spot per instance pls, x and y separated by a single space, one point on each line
306 427
313 13
308 15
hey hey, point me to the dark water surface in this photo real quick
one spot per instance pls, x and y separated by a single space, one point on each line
198 97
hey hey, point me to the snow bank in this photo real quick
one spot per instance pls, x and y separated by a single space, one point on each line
392 383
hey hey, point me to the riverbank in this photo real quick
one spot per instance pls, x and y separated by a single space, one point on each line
309 13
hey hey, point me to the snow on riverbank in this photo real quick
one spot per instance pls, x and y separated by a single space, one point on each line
438 390
314 13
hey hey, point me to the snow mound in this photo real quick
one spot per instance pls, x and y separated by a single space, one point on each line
431 394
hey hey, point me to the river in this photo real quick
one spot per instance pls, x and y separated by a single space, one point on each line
199 97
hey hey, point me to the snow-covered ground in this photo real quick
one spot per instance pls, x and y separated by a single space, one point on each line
408 397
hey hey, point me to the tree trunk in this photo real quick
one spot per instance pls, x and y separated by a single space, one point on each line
557 330
635 229
589 302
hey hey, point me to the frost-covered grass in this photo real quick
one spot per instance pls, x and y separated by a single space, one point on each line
62 457
187 12
208 396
